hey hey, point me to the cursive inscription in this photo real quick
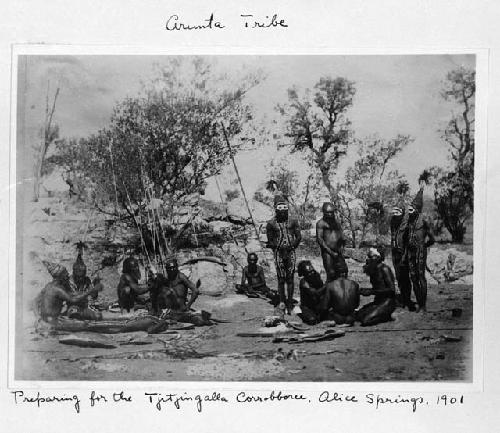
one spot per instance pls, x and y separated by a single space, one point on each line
245 397
174 23
158 399
38 400
251 22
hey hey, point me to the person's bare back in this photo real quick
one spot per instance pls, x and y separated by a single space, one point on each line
344 296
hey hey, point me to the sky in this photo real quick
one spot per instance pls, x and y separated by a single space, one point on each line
394 95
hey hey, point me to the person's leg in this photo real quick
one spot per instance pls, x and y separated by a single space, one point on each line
289 299
281 290
339 319
379 313
240 288
364 311
290 286
413 272
405 286
421 289
329 265
280 273
308 316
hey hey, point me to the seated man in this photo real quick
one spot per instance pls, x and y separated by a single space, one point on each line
253 280
174 291
336 300
128 287
341 298
82 283
53 296
382 280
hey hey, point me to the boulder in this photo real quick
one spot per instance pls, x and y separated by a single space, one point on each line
357 254
449 265
237 211
467 279
212 276
220 227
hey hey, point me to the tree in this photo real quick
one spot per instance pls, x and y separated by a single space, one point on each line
163 144
460 89
50 134
451 198
454 187
369 186
320 128
285 180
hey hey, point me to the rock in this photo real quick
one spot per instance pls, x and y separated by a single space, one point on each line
212 276
357 254
220 227
88 340
467 279
449 265
237 211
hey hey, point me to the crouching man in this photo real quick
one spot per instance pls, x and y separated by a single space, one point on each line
382 281
51 300
175 288
336 300
129 288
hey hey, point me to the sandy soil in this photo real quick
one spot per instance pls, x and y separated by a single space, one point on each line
410 348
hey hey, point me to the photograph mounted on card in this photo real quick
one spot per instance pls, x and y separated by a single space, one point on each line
277 218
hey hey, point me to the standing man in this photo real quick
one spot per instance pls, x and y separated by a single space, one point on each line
418 237
398 224
331 242
283 237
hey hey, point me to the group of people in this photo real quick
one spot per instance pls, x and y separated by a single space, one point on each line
339 297
71 295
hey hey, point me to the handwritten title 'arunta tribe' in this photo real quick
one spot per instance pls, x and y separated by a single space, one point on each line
249 21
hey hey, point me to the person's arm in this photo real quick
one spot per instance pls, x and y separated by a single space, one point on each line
389 282
137 288
243 276
430 235
76 298
262 277
304 290
311 291
366 291
193 288
321 242
297 235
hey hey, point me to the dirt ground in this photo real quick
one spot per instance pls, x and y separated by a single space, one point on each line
410 348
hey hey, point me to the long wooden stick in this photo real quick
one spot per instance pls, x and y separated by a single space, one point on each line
239 179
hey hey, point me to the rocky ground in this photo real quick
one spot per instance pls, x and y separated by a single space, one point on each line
414 347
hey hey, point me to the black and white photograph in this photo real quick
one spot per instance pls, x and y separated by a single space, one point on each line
244 218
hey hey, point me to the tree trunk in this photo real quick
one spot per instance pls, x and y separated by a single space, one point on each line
457 233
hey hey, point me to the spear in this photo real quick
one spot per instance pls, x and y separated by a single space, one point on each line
239 179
